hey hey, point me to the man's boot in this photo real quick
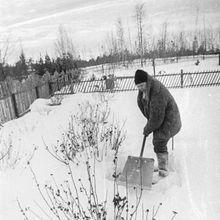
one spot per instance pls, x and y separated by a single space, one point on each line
163 164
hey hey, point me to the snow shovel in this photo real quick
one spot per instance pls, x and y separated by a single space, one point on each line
171 163
138 171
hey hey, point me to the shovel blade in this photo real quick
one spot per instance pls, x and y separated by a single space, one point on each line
138 172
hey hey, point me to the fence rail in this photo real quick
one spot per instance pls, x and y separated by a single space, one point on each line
118 84
16 104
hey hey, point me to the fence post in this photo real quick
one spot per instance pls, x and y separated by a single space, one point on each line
50 89
64 80
14 104
181 78
72 84
37 92
153 63
58 85
219 58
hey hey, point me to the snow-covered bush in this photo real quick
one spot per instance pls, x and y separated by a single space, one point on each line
56 99
84 149
88 131
89 139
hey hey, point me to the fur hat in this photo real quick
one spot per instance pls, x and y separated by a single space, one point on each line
140 77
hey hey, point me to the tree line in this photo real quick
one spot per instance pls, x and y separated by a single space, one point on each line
119 47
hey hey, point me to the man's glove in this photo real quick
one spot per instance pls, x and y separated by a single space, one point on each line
145 132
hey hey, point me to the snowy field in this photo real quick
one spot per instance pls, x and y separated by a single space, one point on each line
209 63
192 190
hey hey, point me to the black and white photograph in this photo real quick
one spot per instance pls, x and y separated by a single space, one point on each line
109 110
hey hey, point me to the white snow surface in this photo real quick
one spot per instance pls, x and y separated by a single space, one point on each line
192 189
185 64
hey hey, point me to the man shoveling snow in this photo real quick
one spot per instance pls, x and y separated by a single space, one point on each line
162 113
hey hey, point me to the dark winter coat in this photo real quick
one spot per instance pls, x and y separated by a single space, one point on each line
161 110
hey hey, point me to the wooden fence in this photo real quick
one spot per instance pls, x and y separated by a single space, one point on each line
118 84
17 104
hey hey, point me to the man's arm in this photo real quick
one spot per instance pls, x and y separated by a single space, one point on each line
157 114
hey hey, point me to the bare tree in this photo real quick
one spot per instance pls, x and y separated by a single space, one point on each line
139 16
204 41
218 38
181 40
112 46
211 38
164 38
197 20
121 39
64 43
5 52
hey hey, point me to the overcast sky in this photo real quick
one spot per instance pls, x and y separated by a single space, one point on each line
33 24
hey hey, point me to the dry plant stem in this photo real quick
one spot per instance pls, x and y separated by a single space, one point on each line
174 215
42 210
142 207
3 156
94 179
147 214
85 191
53 155
22 211
138 199
67 198
106 200
114 195
127 206
118 208
89 200
10 158
138 205
51 200
54 198
154 214
93 193
35 214
77 194
42 195
73 200
32 155
115 181
56 157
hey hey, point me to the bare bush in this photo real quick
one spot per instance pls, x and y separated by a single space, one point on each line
89 140
9 157
86 142
56 99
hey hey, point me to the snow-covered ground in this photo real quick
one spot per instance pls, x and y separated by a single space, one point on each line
187 65
192 190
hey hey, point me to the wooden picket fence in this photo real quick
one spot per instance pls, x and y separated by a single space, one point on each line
121 84
16 104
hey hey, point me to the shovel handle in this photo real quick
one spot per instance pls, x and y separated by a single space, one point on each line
172 143
143 144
